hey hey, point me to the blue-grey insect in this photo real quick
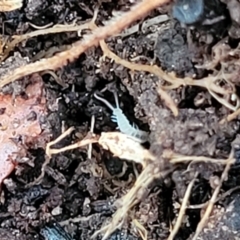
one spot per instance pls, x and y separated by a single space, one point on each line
123 123
188 11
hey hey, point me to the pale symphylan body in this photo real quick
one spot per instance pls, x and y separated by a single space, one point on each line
123 123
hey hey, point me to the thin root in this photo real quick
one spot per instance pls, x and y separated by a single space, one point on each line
175 158
140 229
182 209
114 26
230 117
208 211
82 143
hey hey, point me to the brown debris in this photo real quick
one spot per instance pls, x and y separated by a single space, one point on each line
16 123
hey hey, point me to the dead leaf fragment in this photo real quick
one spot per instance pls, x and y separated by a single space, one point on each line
124 147
16 124
10 5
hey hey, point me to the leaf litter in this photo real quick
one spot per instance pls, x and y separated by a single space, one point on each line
20 124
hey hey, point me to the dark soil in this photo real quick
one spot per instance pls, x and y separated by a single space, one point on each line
83 189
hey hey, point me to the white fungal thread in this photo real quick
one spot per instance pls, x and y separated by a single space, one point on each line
123 123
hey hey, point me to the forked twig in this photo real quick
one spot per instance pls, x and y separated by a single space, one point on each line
58 139
48 157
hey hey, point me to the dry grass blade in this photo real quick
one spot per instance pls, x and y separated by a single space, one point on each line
112 27
182 209
208 211
91 131
195 159
10 5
